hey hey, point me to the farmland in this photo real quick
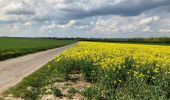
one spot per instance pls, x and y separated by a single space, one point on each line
106 71
13 47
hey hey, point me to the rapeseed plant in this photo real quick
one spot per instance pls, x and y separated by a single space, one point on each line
111 65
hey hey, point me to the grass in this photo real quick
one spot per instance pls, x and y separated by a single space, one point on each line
116 71
14 47
39 79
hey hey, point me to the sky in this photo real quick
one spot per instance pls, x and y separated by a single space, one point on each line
85 18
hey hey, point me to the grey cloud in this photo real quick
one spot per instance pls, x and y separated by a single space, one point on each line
124 8
129 13
73 9
20 12
21 8
8 21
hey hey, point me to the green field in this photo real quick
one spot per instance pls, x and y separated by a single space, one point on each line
14 47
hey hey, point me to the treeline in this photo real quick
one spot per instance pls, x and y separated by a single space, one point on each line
56 38
165 40
151 40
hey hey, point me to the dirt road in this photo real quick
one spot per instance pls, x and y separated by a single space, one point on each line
14 70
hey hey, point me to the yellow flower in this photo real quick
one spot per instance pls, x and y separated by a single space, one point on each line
141 75
118 56
120 81
153 77
155 70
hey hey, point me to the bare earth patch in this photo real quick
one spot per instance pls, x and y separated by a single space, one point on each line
69 89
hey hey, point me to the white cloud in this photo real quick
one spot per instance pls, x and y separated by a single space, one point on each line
4 18
164 30
136 24
108 25
18 8
129 28
147 29
71 24
68 25
28 23
149 20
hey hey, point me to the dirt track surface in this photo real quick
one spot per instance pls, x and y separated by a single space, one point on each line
14 70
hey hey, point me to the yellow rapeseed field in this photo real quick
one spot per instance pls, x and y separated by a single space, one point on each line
120 70
154 58
104 71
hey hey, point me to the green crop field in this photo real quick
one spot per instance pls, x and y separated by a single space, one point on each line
14 47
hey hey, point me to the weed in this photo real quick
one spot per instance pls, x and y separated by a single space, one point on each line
56 91
72 90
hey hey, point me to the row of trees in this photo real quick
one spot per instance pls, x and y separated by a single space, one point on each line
165 40
151 40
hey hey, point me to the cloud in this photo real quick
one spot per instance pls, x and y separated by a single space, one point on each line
105 26
67 10
149 20
62 11
68 25
130 25
164 30
147 29
86 16
71 24
121 8
18 8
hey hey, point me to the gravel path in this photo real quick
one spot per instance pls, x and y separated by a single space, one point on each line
14 70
